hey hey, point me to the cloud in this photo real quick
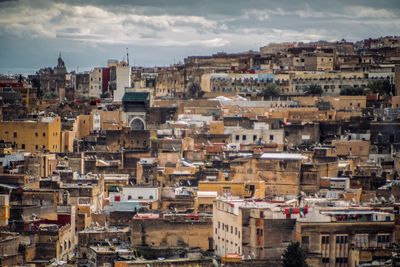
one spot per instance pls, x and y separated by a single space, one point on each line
369 12
195 27
347 12
96 24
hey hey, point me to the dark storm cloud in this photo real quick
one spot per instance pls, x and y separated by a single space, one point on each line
152 27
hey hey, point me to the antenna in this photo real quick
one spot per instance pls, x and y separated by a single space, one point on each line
127 56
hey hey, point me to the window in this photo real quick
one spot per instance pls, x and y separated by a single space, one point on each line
15 134
361 240
383 239
271 137
259 232
236 231
341 239
129 197
216 230
325 260
219 224
244 137
231 229
36 134
237 137
36 147
254 137
325 239
44 134
22 146
341 260
239 234
305 240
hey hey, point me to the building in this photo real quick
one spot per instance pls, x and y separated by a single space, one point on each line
135 106
346 237
52 80
96 82
82 84
253 229
123 80
281 172
318 62
172 230
33 135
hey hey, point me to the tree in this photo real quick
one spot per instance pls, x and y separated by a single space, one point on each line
294 256
313 89
270 90
194 90
352 91
383 87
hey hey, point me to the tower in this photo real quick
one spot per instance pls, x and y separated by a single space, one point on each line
136 106
60 61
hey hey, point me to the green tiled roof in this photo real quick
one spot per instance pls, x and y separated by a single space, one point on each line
135 96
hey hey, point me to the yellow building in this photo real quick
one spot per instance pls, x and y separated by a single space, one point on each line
32 136
4 210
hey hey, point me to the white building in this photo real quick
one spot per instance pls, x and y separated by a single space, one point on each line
135 194
261 133
123 80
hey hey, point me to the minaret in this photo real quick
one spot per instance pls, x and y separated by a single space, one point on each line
127 56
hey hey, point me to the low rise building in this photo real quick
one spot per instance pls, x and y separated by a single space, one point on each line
346 237
33 135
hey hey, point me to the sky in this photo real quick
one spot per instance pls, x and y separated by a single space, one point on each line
163 32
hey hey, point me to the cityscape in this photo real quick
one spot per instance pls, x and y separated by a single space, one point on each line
275 152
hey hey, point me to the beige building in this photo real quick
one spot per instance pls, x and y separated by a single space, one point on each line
95 82
252 229
347 102
354 148
41 164
170 82
281 172
333 82
346 237
318 62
